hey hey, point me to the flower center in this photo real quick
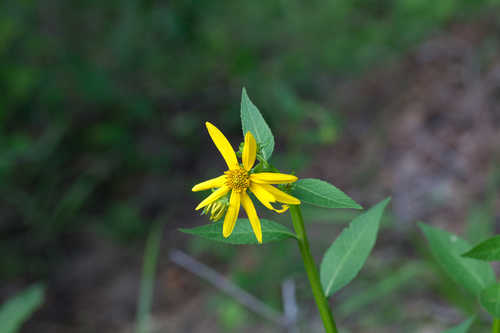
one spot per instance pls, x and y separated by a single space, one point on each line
237 179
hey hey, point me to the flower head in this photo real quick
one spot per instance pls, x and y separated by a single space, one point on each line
238 180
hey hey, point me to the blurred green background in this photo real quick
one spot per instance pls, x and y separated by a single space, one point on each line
102 106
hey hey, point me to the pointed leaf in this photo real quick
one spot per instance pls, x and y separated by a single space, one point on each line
490 299
242 233
348 253
489 250
18 309
320 193
463 327
252 121
447 248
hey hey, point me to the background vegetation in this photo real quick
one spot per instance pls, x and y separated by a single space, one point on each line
101 113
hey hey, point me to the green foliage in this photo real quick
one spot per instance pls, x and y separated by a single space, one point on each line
70 104
231 316
123 222
461 328
447 249
489 250
252 121
348 253
320 193
242 233
490 299
18 309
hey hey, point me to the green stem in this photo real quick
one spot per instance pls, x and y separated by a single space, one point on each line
312 271
496 326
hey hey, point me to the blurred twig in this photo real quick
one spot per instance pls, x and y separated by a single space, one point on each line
220 282
290 305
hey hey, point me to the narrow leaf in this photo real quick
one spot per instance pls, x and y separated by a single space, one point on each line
146 291
489 250
253 122
348 253
320 193
242 233
447 248
18 309
490 299
461 328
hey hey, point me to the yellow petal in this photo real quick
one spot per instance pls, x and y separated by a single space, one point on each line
247 203
281 196
249 151
211 183
283 209
264 197
272 178
232 214
223 145
212 197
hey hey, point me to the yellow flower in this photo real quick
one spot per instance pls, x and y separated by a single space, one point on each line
238 179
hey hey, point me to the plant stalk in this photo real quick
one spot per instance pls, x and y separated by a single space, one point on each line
312 271
496 326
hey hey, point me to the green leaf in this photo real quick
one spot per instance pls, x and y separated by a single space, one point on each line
490 299
18 309
348 253
320 193
447 248
252 121
489 250
242 233
463 327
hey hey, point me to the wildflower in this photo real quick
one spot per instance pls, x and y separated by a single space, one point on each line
238 179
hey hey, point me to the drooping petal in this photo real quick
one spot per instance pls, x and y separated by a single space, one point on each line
283 209
249 151
264 196
223 145
232 214
281 196
212 197
247 203
211 183
272 178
